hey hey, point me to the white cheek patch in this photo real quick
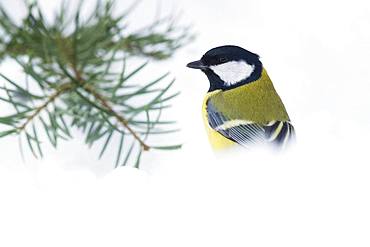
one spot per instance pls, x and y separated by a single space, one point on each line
233 72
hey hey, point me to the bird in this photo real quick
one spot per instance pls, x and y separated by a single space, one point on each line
241 107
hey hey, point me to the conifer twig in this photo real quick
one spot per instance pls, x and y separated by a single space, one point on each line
108 107
38 109
119 118
73 80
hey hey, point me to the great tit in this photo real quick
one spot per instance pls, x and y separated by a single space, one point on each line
241 106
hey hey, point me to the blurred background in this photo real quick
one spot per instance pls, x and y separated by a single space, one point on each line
317 194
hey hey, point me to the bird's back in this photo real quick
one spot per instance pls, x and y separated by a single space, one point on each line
255 102
258 100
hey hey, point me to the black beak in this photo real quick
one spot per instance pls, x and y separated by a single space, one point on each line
196 65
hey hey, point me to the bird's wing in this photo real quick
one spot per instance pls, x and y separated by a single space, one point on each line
245 132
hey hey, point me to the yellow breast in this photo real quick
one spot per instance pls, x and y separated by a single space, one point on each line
217 140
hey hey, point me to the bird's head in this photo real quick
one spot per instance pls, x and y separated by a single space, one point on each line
228 67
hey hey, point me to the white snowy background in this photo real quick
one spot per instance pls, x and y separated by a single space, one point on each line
318 194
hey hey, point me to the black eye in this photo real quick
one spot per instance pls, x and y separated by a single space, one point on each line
222 59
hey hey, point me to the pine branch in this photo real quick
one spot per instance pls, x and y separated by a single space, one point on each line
119 118
51 98
107 106
74 81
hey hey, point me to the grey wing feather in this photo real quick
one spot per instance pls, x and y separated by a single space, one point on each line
246 133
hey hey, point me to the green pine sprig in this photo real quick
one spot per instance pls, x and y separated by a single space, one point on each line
77 77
